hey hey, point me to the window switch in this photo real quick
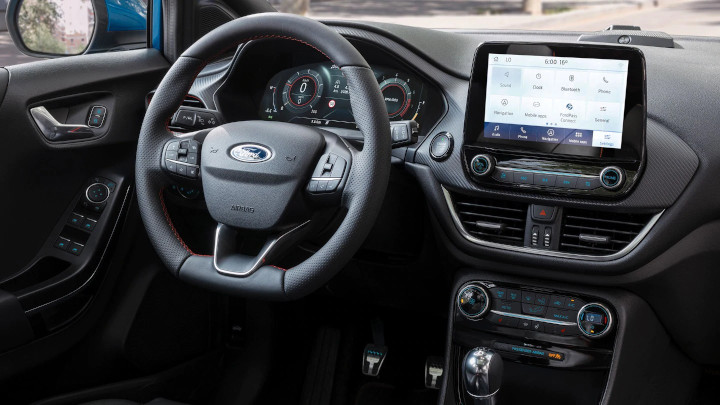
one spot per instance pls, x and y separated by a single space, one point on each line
62 243
89 224
76 248
76 219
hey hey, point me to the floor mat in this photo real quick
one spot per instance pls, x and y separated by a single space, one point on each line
383 394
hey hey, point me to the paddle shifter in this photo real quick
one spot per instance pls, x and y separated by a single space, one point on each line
482 371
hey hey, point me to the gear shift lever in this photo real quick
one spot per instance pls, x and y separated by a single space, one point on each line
482 371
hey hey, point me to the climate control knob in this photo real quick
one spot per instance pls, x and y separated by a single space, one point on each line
473 301
595 320
612 177
482 165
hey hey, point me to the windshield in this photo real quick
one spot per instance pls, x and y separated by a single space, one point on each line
679 17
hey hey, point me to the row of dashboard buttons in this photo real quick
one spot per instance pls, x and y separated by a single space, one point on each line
546 179
533 325
529 297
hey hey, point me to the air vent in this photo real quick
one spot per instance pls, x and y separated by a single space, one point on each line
192 101
492 220
189 101
599 233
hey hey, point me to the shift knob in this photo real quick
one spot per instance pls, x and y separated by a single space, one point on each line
482 371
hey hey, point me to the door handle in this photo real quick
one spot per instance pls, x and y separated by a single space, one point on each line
54 131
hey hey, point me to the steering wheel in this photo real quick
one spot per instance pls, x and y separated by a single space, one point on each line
265 182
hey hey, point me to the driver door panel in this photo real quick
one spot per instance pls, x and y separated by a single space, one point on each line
58 235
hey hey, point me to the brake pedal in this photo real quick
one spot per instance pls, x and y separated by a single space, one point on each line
373 358
434 370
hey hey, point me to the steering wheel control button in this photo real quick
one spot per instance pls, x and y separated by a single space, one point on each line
612 178
97 193
328 174
542 213
482 165
473 301
594 320
441 146
96 119
173 146
183 158
184 119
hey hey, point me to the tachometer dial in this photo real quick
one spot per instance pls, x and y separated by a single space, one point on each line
397 95
302 90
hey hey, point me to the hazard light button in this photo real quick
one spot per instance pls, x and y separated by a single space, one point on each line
543 213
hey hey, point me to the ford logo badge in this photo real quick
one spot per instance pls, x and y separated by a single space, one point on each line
250 153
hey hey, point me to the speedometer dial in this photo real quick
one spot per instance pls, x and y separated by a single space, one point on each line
397 95
302 90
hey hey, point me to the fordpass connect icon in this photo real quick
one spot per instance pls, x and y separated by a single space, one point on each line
251 153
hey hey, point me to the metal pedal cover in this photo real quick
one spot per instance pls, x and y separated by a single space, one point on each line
434 370
373 357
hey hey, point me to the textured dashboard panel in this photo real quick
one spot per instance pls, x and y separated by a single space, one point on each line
670 166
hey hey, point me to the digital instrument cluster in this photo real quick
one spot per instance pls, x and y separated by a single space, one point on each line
317 94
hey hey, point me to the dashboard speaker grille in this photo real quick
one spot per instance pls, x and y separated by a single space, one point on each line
599 233
492 220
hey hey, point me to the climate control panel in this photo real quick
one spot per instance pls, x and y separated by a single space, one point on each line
534 310
509 170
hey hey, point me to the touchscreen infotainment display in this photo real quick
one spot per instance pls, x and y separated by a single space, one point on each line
556 100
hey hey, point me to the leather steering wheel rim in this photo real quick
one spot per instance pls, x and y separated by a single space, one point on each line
361 198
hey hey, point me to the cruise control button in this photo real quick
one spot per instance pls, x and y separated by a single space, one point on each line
192 158
171 155
173 146
312 187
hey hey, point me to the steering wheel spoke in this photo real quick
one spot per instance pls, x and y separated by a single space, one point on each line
181 158
241 255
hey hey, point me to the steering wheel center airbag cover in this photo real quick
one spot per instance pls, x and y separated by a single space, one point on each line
254 172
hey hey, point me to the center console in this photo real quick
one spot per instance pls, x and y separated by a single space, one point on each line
556 118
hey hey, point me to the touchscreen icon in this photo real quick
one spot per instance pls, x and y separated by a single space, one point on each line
538 76
507 74
605 80
571 78
569 106
497 128
522 129
504 102
551 132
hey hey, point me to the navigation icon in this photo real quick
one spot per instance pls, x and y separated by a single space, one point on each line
551 132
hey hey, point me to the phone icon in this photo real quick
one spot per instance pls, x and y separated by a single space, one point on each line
605 80
522 129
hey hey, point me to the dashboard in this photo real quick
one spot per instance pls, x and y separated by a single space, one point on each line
317 94
649 236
